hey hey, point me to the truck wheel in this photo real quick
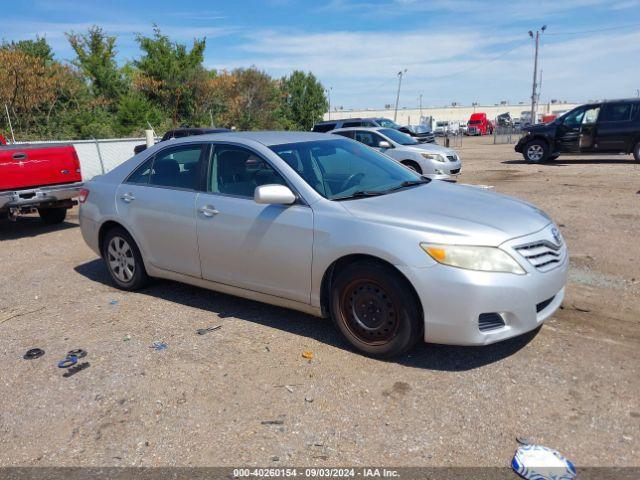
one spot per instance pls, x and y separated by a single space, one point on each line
636 152
374 308
412 165
536 151
52 216
123 259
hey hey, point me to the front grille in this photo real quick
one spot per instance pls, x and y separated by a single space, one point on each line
490 321
452 158
544 255
542 305
454 171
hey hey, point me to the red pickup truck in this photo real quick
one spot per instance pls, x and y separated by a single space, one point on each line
44 178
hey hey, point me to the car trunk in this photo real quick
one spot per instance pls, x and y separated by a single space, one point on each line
28 166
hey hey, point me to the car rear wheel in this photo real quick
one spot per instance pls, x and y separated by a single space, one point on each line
123 259
636 152
536 151
412 165
52 216
375 309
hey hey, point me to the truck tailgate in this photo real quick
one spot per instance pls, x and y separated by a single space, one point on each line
27 166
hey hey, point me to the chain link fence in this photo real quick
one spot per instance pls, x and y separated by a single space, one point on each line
506 134
99 156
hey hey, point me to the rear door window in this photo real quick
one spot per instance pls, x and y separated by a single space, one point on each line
142 173
352 124
345 134
615 112
177 167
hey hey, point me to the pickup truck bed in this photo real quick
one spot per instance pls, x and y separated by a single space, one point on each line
43 177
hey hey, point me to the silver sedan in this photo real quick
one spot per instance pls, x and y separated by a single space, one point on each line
328 226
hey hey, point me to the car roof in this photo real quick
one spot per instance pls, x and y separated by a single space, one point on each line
267 138
349 129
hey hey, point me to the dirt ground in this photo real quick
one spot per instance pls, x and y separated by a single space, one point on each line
244 395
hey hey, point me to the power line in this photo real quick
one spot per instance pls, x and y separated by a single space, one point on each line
482 64
581 32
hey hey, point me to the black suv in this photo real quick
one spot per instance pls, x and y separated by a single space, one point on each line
326 126
596 128
181 132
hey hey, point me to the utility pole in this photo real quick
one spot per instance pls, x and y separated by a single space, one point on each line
328 91
6 109
534 94
420 107
400 73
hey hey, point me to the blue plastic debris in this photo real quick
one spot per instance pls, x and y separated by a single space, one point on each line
535 462
159 345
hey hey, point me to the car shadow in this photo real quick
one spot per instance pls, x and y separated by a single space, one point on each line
562 162
30 227
424 356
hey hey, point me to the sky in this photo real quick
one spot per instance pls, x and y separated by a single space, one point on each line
460 51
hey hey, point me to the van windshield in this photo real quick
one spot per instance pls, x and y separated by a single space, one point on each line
475 122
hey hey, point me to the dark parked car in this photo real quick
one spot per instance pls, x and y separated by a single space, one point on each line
326 126
181 132
596 128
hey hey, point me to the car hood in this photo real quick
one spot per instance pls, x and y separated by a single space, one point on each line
429 148
450 213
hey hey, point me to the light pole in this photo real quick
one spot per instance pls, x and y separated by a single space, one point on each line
400 74
421 107
534 95
328 90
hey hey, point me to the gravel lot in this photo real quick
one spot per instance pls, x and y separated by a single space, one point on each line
244 395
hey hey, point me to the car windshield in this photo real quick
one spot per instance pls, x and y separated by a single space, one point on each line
398 137
344 169
475 122
386 123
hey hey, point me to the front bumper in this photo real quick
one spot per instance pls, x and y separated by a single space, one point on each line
453 300
33 197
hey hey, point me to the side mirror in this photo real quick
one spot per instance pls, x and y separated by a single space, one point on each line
384 144
274 194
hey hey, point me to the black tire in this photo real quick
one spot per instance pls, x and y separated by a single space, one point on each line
52 216
369 289
636 152
123 260
552 158
412 165
536 151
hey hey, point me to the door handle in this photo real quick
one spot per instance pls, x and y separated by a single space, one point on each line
127 197
19 156
209 211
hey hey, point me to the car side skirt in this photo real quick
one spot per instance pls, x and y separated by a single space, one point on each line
232 290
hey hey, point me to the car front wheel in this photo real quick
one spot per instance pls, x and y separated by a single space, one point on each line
375 309
536 151
123 260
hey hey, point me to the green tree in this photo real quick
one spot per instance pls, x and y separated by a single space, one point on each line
303 100
134 112
169 74
35 48
96 59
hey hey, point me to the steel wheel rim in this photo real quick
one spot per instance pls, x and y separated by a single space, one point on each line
369 312
535 152
120 259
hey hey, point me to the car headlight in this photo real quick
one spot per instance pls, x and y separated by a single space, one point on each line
434 156
485 259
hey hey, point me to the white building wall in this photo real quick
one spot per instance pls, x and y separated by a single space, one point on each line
410 116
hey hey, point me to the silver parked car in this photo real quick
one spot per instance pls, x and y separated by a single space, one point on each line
424 158
328 226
